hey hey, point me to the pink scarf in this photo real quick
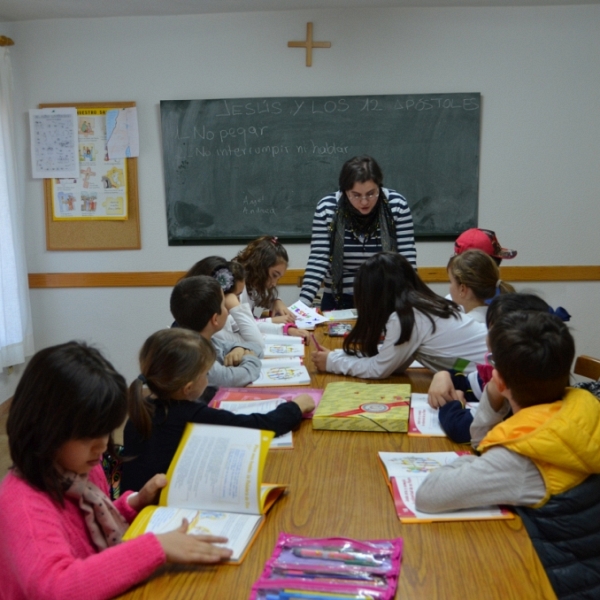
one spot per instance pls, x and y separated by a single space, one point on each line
105 523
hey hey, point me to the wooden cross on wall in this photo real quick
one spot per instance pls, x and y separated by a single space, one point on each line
309 44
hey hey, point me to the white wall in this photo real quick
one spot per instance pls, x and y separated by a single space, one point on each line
538 70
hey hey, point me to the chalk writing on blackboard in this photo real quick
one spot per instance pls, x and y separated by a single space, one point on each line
239 168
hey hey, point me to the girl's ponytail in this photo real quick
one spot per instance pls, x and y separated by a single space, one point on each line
139 408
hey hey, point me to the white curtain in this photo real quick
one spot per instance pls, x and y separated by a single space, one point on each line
16 335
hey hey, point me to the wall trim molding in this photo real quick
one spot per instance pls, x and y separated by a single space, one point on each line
294 276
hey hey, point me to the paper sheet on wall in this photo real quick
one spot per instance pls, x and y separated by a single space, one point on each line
53 133
122 137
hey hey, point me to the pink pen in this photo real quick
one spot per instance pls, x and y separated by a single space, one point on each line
314 339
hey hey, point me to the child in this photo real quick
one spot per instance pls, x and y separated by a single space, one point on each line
60 533
240 325
449 390
417 323
541 457
174 364
485 240
475 279
265 261
198 303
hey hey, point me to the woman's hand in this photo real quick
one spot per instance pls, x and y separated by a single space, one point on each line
149 493
319 359
183 548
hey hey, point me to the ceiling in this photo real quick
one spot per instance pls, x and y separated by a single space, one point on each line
24 10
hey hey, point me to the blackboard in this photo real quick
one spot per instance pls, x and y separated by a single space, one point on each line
238 168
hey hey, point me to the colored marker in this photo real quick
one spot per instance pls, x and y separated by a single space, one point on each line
314 339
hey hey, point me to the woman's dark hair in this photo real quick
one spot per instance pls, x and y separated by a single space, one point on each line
169 360
257 258
217 267
478 271
508 303
358 170
533 352
67 392
387 283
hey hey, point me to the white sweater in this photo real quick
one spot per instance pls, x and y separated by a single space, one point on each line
455 344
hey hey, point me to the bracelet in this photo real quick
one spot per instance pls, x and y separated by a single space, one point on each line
286 328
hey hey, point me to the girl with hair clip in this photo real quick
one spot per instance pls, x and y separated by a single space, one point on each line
475 281
230 275
265 261
416 324
61 534
174 364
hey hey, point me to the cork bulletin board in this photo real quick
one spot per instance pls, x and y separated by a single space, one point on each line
96 234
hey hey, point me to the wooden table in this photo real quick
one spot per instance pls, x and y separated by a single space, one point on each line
337 488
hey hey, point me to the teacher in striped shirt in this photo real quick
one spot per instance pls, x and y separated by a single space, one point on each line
360 220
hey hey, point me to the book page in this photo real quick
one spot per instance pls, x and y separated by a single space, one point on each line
238 528
282 350
217 468
408 470
425 420
306 316
247 407
282 372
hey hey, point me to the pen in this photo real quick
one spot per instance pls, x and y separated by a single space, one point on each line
314 339
349 558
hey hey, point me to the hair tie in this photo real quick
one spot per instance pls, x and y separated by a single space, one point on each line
498 283
142 379
224 278
274 240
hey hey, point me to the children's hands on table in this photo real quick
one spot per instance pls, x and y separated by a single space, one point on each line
234 358
441 390
319 359
281 313
296 332
181 547
305 402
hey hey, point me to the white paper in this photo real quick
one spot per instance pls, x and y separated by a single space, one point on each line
341 315
425 420
247 407
122 136
282 372
53 134
306 316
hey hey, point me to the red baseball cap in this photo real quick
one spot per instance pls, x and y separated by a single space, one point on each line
482 239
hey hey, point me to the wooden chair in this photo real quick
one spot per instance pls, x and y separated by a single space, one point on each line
587 366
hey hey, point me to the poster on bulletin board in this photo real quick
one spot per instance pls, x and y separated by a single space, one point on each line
99 209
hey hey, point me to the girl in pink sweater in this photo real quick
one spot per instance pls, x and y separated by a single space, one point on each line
61 535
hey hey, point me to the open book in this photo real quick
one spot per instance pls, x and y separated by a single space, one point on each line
281 346
282 371
406 471
224 395
247 407
215 482
424 420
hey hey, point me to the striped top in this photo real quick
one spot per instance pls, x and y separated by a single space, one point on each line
355 252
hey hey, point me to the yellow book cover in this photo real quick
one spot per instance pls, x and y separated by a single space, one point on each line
350 406
215 482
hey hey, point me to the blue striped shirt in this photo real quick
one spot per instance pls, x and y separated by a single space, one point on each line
355 251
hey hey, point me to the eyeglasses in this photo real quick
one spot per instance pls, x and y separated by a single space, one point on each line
489 360
358 197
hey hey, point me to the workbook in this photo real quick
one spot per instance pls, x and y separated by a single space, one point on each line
215 482
284 371
341 315
424 420
351 406
406 471
281 346
225 395
306 316
248 407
